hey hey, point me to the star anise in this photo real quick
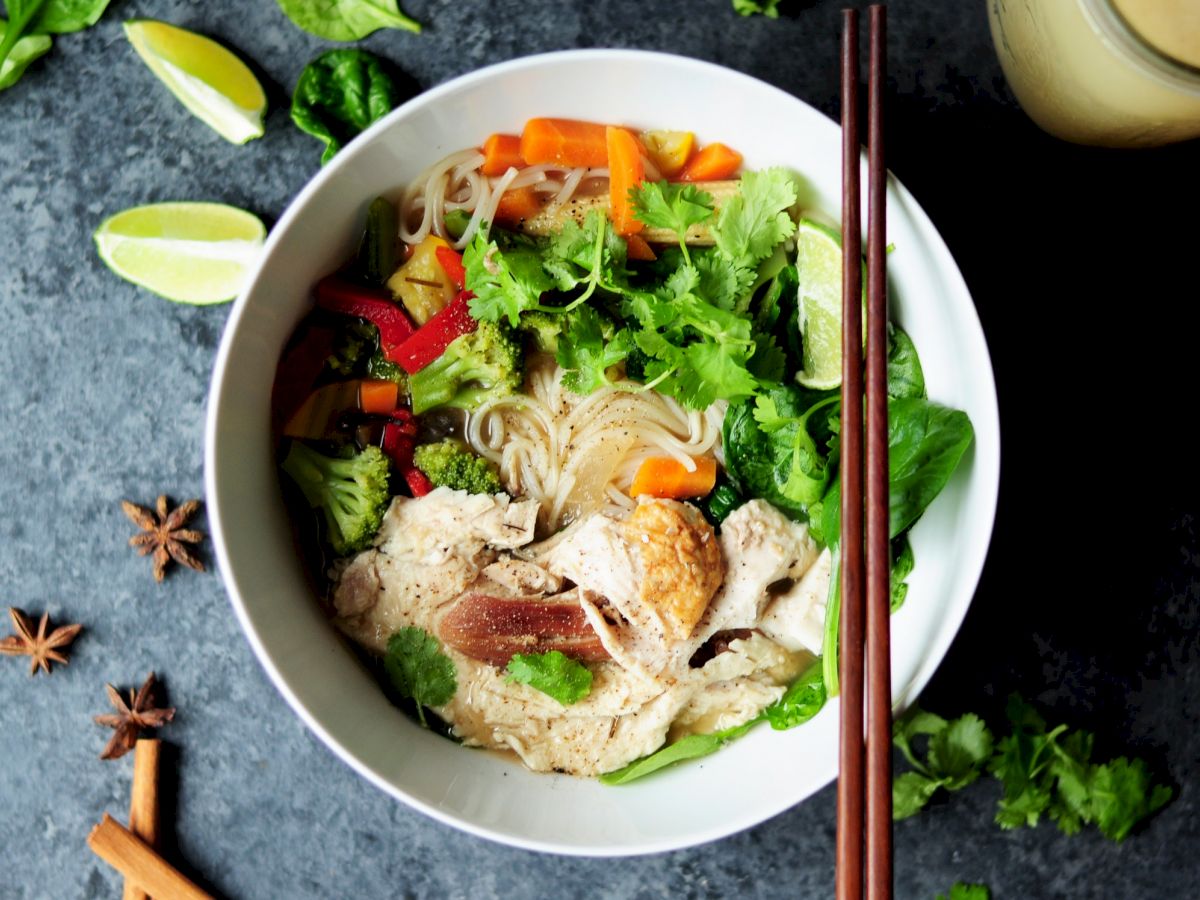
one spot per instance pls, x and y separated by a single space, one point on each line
130 718
163 534
42 649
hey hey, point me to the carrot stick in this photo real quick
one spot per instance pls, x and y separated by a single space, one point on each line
637 248
518 205
500 153
625 171
665 476
567 142
377 396
716 162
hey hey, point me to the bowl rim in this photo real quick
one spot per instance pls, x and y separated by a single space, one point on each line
938 649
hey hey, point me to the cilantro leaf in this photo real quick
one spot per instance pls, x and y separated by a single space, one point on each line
959 751
505 284
419 670
674 207
1122 796
553 673
751 223
586 355
911 791
768 8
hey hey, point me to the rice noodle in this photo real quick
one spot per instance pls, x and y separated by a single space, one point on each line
456 183
579 454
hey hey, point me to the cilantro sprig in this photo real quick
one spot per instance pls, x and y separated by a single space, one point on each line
1043 772
419 670
554 674
687 317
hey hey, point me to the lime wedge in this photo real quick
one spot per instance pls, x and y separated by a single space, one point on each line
188 252
819 267
211 82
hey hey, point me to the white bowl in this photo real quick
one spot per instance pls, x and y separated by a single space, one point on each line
481 792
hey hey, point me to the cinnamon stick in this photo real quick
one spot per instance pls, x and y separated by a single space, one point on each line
130 856
143 804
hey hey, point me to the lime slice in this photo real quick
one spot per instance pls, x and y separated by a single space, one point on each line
188 252
210 81
819 267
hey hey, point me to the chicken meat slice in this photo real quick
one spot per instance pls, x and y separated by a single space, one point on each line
647 580
795 619
761 547
429 550
521 576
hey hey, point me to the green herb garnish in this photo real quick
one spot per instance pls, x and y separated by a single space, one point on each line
554 674
419 670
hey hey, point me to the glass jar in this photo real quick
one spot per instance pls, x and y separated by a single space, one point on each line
1116 73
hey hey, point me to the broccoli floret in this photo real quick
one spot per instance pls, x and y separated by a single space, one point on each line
475 367
544 328
351 492
379 366
352 346
451 464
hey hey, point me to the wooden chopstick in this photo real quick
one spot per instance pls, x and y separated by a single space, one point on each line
850 656
878 581
864 813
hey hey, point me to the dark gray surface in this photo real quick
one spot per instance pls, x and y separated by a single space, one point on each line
1088 604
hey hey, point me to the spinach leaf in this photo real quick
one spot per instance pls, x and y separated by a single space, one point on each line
800 702
339 94
905 377
21 37
346 20
777 448
902 566
65 16
720 502
20 54
926 441
691 747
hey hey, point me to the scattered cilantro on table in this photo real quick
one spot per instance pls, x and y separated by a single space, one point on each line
554 674
419 670
768 8
963 891
1042 771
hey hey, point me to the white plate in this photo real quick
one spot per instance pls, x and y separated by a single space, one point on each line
483 793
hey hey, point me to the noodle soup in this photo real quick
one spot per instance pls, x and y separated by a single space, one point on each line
560 439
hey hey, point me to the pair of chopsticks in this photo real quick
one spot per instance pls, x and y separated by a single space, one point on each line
864 826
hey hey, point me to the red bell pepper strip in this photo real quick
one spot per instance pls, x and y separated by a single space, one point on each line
432 338
451 262
340 296
399 441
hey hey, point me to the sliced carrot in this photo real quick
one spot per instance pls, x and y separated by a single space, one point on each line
567 142
665 476
518 205
625 172
500 153
637 248
378 396
715 162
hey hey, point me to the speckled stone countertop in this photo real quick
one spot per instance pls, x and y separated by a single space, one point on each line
1081 262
